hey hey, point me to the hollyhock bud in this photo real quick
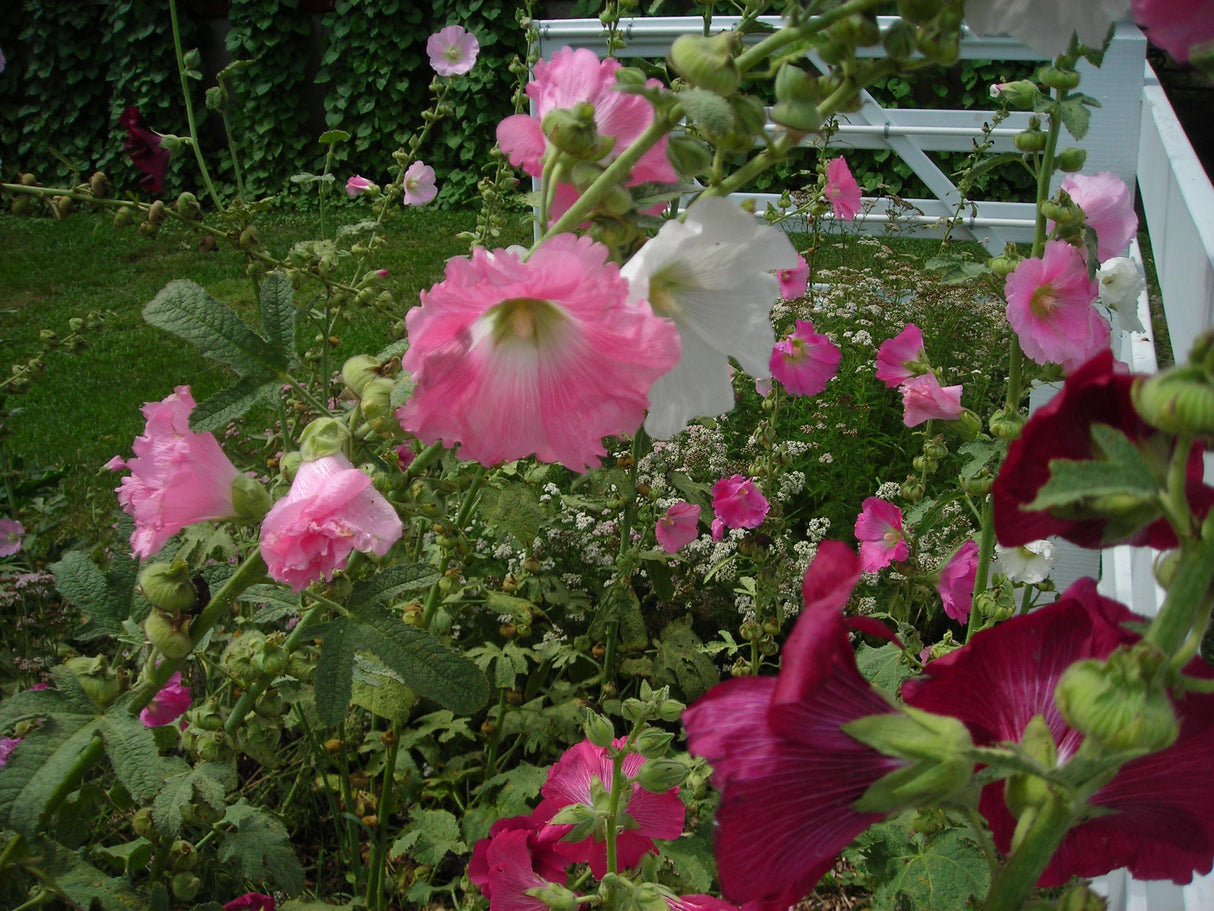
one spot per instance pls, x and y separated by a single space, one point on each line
100 682
250 500
688 156
188 207
1030 140
1115 702
937 747
652 743
168 586
323 437
797 97
1071 159
598 730
169 634
657 776
359 370
1057 78
572 131
1022 94
99 185
1179 400
708 62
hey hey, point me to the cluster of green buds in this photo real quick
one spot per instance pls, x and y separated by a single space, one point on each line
174 595
1180 400
99 681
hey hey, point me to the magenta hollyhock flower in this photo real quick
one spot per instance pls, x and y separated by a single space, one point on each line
1095 393
1049 304
145 149
738 503
956 583
419 184
699 903
330 510
10 536
251 901
452 50
678 527
901 357
357 185
568 79
879 531
169 705
779 756
541 355
177 477
649 815
545 862
805 361
1178 26
1108 209
794 280
7 745
842 191
924 399
1157 815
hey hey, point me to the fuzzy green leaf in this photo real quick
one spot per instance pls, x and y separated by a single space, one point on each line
38 766
882 667
207 784
514 506
228 404
80 580
131 748
1122 472
395 580
278 314
260 849
335 668
680 660
83 884
187 311
430 836
940 871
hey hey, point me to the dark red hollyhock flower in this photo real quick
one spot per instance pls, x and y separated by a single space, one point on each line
145 150
787 773
544 862
1062 429
1157 816
251 901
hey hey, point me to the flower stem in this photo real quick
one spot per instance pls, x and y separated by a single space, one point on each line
1014 882
189 107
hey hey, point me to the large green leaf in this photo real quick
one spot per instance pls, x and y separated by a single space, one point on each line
106 601
131 747
514 506
227 405
259 850
83 884
206 784
186 310
37 767
278 314
1121 473
395 580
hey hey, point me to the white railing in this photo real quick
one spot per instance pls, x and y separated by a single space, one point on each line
1177 199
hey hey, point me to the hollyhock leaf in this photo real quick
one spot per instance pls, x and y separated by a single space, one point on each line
883 667
207 784
515 507
106 605
1121 471
390 582
944 870
432 835
186 310
260 850
1076 116
217 411
131 748
32 774
278 312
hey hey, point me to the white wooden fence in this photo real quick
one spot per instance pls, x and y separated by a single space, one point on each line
1178 201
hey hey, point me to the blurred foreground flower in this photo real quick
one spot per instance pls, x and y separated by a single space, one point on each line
7 745
452 50
1180 27
146 150
1030 563
1045 25
544 355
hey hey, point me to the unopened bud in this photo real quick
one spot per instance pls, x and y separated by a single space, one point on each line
188 207
168 586
937 746
323 437
1179 400
657 776
1072 159
1022 94
99 185
598 730
1116 703
708 63
169 634
1056 78
652 743
573 131
797 97
250 500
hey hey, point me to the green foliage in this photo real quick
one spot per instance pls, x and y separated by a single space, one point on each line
104 596
911 870
259 848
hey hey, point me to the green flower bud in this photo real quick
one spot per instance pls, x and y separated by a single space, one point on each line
323 437
708 63
359 370
182 855
899 40
1022 94
1003 266
1116 704
1072 159
1027 792
99 185
170 635
558 898
1005 424
188 207
100 682
250 500
670 709
797 97
1030 140
918 11
657 776
1179 400
937 746
1056 78
168 586
653 743
289 464
598 730
250 240
687 155
376 401
156 213
185 886
856 30
142 823
572 131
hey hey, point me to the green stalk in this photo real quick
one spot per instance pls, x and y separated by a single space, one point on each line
461 519
1187 605
986 550
769 46
1014 883
375 875
189 107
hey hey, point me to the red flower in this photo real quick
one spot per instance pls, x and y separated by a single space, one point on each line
787 773
145 150
1062 429
251 901
545 864
1157 816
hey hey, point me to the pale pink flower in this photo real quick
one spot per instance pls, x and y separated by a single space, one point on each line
452 50
956 582
356 185
1049 304
177 477
568 79
1108 209
805 361
330 510
10 537
1178 26
738 503
678 527
879 531
842 191
543 355
794 280
419 184
923 398
902 357
168 705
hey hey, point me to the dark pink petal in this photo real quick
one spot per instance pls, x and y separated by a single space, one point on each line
145 150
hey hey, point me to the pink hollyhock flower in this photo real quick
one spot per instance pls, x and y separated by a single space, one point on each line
879 531
330 510
842 191
805 361
357 185
10 536
738 503
902 357
779 756
541 355
1108 209
1049 304
956 582
452 50
678 527
419 184
569 78
545 863
251 901
177 477
169 705
718 530
923 398
7 745
1095 393
794 280
1157 815
145 149
1177 26
648 815
711 275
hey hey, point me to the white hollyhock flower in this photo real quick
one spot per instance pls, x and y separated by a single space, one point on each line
1046 25
1121 282
1030 563
712 275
